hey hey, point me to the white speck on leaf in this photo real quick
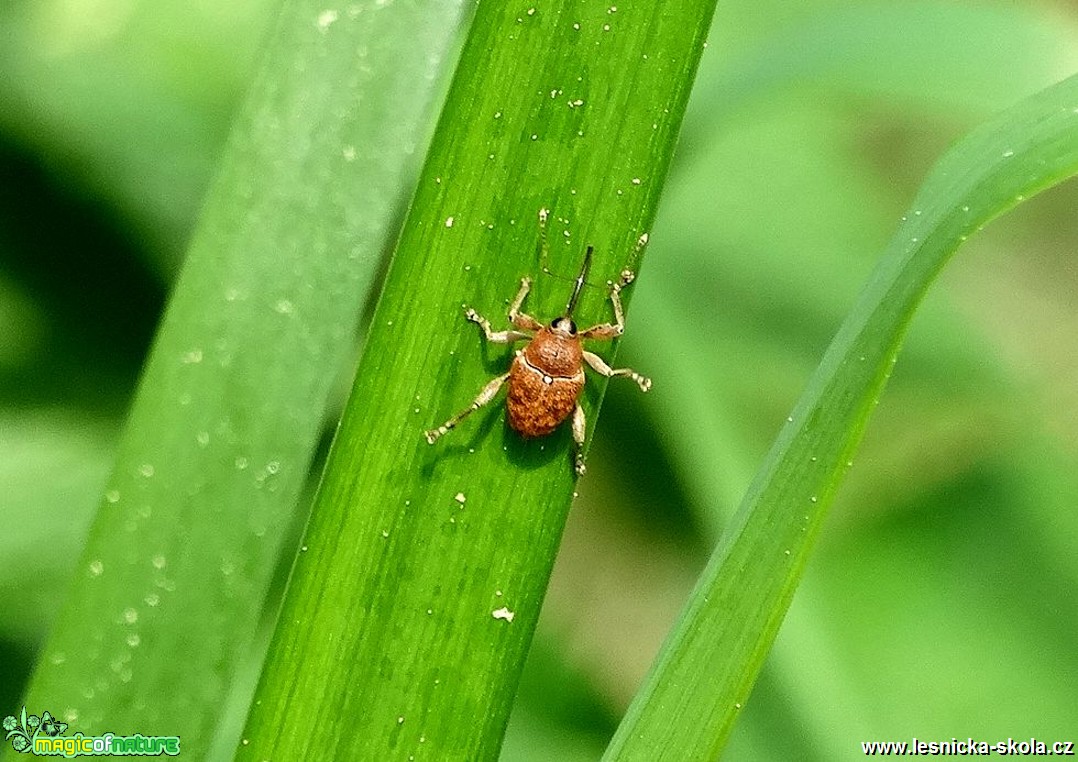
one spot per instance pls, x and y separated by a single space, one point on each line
326 18
503 613
449 222
460 498
284 307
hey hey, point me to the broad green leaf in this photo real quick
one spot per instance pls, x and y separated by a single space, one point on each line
704 674
412 603
230 407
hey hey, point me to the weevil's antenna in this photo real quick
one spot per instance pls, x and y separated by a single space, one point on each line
544 246
580 279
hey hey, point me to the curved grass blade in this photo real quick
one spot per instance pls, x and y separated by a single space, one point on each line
409 612
707 667
230 408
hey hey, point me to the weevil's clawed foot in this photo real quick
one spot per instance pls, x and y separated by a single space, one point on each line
580 467
433 435
643 382
627 277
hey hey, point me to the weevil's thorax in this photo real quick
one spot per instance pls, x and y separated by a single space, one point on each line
556 350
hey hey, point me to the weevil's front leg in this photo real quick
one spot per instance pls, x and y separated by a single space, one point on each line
485 396
601 367
579 431
607 331
495 337
518 318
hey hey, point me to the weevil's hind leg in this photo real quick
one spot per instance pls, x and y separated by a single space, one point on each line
607 331
495 337
601 367
518 318
485 396
579 432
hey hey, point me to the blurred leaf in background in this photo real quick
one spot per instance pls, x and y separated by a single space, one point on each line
942 599
111 116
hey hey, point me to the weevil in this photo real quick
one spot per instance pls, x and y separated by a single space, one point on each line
546 376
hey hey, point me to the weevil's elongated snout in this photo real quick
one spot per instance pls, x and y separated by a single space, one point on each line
579 286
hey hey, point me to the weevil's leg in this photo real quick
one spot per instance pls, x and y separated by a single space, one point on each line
579 430
601 367
495 337
607 331
484 397
518 318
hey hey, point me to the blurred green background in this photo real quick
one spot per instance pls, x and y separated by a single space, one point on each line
943 599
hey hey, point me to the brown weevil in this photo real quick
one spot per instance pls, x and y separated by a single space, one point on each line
547 376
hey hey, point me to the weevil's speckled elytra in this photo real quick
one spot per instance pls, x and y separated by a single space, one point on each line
547 376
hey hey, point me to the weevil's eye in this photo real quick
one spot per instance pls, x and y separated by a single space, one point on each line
563 324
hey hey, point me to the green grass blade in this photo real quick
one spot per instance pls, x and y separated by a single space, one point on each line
230 409
706 669
388 644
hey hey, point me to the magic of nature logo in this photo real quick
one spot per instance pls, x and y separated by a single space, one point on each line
44 736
